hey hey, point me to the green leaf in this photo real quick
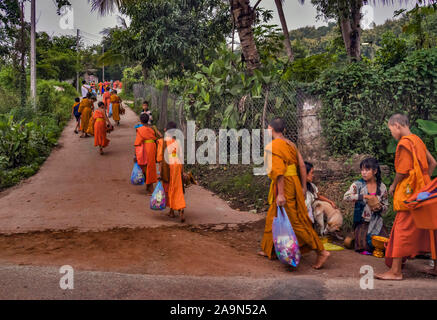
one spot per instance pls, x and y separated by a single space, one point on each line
427 126
391 148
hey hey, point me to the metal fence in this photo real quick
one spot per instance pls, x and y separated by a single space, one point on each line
283 100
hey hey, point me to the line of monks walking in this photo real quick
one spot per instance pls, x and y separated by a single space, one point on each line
151 147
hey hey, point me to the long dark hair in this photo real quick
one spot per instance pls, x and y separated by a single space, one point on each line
308 167
372 164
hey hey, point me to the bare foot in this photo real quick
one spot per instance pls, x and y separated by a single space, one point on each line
262 254
181 213
321 259
389 275
171 214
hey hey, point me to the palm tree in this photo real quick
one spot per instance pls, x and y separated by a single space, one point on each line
107 6
348 13
284 29
244 17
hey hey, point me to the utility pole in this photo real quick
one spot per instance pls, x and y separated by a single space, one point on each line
103 68
77 52
23 83
33 53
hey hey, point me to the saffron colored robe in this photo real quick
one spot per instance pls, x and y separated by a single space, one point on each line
86 112
176 199
407 241
100 139
284 155
145 150
106 100
115 100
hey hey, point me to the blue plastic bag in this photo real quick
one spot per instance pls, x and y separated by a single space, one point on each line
285 240
110 110
158 200
137 177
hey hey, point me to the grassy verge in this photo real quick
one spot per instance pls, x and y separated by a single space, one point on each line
27 135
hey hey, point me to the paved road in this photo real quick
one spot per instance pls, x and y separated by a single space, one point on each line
18 282
79 189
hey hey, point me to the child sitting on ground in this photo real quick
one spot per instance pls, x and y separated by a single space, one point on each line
320 207
371 202
76 114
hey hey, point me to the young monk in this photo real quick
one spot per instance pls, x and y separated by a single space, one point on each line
85 111
288 191
172 173
76 114
145 152
115 100
90 129
107 99
407 241
101 119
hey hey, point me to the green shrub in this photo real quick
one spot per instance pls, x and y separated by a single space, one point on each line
359 98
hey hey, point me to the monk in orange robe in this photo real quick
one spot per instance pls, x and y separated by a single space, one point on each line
172 172
145 152
107 99
406 240
85 109
288 191
100 121
115 100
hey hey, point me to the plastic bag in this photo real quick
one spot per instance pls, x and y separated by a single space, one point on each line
284 239
158 200
137 177
110 110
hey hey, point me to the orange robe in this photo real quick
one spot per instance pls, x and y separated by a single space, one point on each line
85 110
115 100
284 155
100 129
106 100
90 129
176 199
145 150
406 240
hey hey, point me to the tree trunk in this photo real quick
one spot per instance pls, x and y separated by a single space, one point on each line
285 30
244 17
356 6
350 20
145 72
163 118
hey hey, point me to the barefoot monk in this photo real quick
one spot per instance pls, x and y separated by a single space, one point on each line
414 165
288 191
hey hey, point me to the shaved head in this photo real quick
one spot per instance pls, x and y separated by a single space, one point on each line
278 125
400 119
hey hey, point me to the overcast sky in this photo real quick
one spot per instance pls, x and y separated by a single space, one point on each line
90 23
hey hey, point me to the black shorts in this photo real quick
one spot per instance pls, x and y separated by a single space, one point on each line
77 118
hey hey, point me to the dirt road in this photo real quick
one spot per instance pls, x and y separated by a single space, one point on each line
79 189
80 210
